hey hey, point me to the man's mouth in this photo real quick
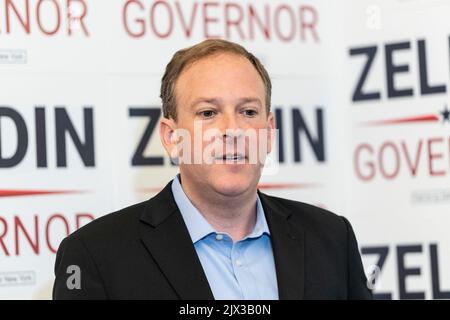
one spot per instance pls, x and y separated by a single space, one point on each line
232 157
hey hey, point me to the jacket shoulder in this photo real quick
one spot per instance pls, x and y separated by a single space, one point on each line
118 225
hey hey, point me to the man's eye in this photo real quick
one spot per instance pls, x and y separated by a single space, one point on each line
250 112
207 113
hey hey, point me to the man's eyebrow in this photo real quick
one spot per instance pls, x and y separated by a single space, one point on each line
245 100
214 101
218 101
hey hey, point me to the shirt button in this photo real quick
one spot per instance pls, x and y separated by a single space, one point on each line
238 263
219 237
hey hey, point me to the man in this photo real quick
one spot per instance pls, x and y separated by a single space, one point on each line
210 233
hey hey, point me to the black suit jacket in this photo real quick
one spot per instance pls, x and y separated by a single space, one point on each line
145 252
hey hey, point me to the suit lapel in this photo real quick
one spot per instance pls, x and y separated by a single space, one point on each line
288 249
167 239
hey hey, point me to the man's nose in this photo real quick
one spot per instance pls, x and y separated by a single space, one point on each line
230 127
229 121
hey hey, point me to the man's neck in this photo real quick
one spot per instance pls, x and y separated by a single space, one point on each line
234 215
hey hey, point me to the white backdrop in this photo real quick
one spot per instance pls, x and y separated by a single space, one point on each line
360 90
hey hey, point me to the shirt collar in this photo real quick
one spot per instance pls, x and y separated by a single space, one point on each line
196 223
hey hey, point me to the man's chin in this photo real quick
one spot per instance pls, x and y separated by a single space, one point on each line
232 188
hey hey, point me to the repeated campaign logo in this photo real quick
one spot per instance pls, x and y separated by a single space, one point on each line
402 133
26 155
402 155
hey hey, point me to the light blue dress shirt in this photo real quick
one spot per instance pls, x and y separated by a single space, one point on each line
244 270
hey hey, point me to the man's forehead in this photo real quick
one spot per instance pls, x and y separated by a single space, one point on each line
215 57
210 65
211 70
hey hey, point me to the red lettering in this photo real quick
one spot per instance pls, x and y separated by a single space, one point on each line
221 20
390 156
72 17
432 156
25 22
46 16
253 19
311 25
368 164
207 19
19 226
38 17
187 27
27 228
412 167
140 22
382 158
3 234
236 22
153 18
290 21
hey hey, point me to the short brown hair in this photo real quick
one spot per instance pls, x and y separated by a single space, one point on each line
187 56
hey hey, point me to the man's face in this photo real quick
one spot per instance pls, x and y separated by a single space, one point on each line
215 94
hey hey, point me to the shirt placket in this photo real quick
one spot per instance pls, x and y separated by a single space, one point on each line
242 272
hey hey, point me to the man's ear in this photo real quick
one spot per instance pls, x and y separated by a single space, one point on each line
270 131
167 129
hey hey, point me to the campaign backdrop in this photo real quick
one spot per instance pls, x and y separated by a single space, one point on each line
360 95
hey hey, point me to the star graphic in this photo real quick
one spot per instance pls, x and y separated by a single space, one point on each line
445 114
